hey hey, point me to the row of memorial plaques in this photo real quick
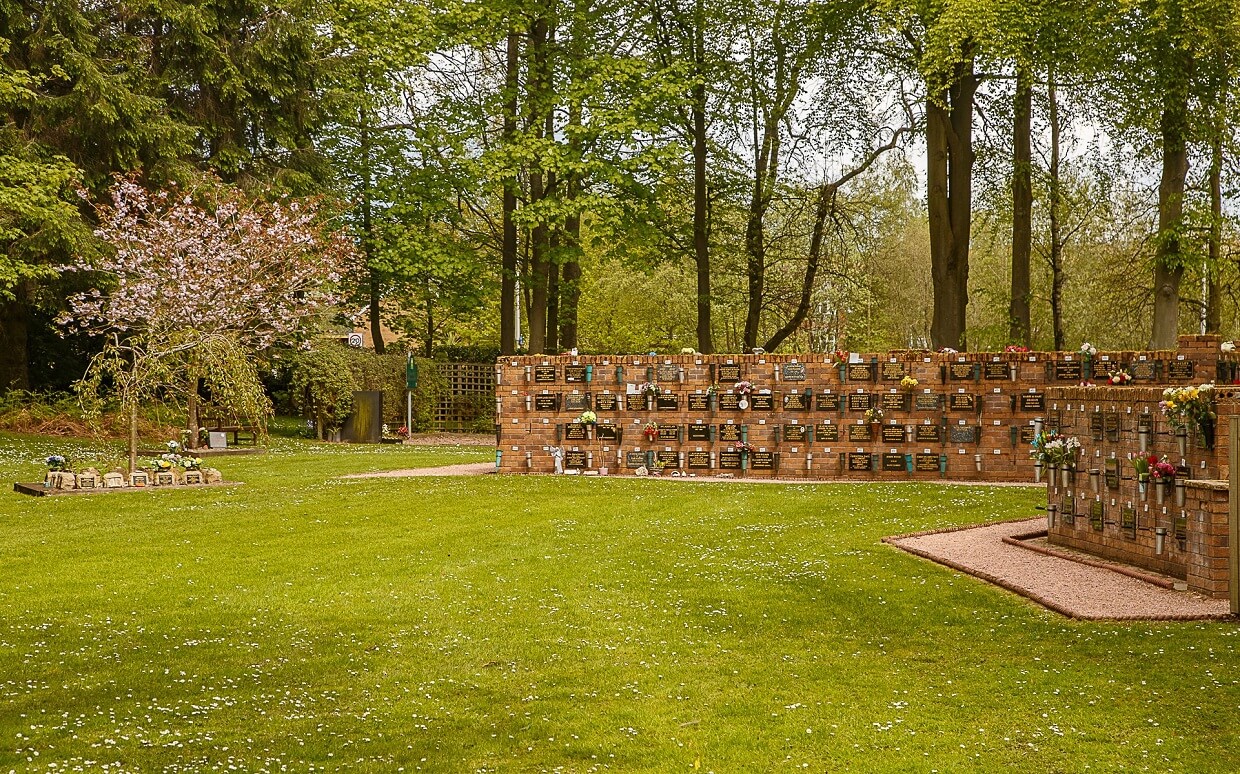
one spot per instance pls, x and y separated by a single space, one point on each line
794 401
824 433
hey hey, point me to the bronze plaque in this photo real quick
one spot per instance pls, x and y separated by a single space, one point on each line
699 432
1180 369
927 401
963 433
607 432
1067 509
761 401
1026 434
860 372
667 401
669 432
997 370
859 401
960 371
729 460
926 463
635 401
697 460
893 372
670 459
795 401
1097 514
893 462
1145 422
607 402
729 373
827 402
1143 371
961 401
893 433
1111 420
827 433
1111 472
896 401
546 402
574 431
1102 369
859 432
667 373
578 402
1032 401
793 372
1128 521
1068 371
729 401
1095 425
729 433
761 460
928 434
544 373
574 459
574 373
858 461
634 459
795 433
698 401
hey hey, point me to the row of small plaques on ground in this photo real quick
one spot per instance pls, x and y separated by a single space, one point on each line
1062 370
792 401
823 433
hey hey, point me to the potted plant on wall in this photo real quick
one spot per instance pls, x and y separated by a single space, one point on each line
1191 407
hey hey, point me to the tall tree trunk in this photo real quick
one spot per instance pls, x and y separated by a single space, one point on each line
1055 204
949 149
553 290
428 349
14 332
1019 329
537 88
701 200
1214 294
570 290
766 161
1168 257
508 252
133 437
368 240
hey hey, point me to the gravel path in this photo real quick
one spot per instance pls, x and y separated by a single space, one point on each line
1074 589
466 469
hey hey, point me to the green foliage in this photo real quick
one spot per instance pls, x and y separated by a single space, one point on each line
324 379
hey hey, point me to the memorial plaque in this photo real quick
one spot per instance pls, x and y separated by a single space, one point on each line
997 371
635 401
1179 527
1102 369
827 433
1026 434
574 431
924 401
859 401
667 401
576 402
669 433
827 402
607 402
574 373
729 433
670 459
793 372
926 463
860 372
893 372
761 401
859 432
893 462
795 401
546 402
1111 420
729 401
1097 512
1068 371
574 459
607 432
1032 401
893 433
1145 422
635 459
1111 468
729 460
544 373
1095 425
796 433
698 460
1128 521
760 460
928 434
1180 369
1143 371
698 401
959 372
699 432
895 401
961 401
667 373
729 373
963 433
859 461
1067 510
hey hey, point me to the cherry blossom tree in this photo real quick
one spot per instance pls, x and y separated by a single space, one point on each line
197 277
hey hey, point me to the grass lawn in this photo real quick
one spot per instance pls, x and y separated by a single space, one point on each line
526 624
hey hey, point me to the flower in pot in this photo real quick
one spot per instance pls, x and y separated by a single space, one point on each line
1120 378
651 431
57 463
874 414
908 383
588 417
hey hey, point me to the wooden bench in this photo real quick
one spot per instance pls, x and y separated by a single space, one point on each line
240 434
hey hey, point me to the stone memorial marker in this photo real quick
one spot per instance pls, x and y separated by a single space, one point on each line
1145 422
1067 510
1128 521
193 477
139 478
607 402
607 432
928 434
893 372
698 460
1097 513
546 402
958 372
827 433
574 373
961 401
827 401
1095 425
113 480
896 401
893 462
1143 371
544 374
795 401
1102 369
634 401
88 480
667 372
994 371
729 460
795 433
729 401
699 432
963 433
1180 369
860 372
793 372
927 401
1111 468
574 460
859 401
1111 422
576 402
670 459
762 460
575 431
634 459
1026 434
669 433
667 401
